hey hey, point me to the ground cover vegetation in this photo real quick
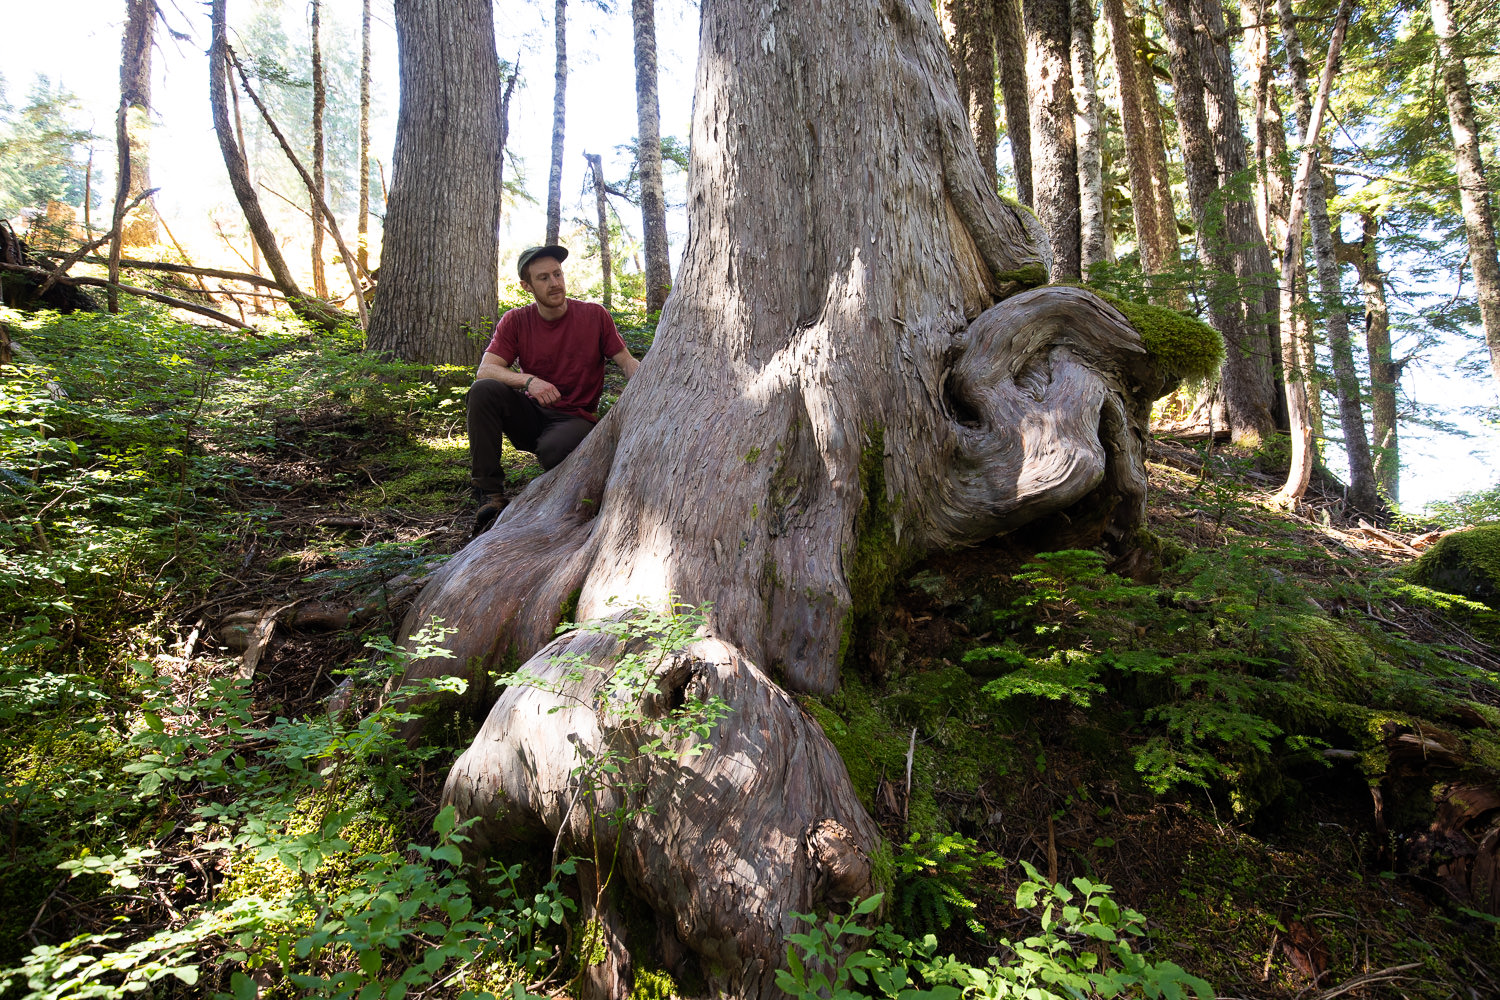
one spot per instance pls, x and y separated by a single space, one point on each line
1266 762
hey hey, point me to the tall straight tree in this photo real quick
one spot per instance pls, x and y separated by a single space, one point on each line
601 205
559 121
1296 353
135 96
1385 371
648 153
1154 256
1156 136
1010 59
1092 224
1363 492
319 101
1054 147
1473 190
1237 307
444 203
971 43
363 226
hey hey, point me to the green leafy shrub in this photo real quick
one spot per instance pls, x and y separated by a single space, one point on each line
1085 945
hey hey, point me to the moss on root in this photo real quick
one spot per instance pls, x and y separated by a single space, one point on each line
1188 348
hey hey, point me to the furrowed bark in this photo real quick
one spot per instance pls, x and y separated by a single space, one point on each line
601 204
317 188
1054 149
444 202
1133 124
135 94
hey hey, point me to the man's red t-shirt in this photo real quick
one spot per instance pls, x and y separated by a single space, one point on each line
568 352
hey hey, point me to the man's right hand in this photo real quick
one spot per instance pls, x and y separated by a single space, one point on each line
544 392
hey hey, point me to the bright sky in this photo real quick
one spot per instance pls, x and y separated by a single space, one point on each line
186 164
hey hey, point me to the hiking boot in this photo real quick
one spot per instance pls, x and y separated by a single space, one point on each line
489 509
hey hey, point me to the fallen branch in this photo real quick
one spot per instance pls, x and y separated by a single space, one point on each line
1382 976
204 272
62 268
146 293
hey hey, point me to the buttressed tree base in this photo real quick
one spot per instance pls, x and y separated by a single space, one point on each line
850 373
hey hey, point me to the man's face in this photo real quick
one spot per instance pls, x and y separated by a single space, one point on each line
546 283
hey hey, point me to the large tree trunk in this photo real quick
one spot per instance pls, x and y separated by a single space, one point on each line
319 99
1054 148
1245 381
1362 491
1093 224
362 228
1473 191
832 392
1010 59
135 94
308 309
438 264
559 122
648 155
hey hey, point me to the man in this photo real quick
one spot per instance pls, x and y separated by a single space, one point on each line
546 403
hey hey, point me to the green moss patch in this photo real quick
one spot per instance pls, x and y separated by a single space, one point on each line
1188 348
1466 563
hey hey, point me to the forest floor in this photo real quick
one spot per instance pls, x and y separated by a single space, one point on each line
1267 742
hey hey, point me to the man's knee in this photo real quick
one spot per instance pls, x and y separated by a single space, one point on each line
490 393
559 440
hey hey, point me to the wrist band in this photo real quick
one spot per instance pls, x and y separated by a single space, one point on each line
527 386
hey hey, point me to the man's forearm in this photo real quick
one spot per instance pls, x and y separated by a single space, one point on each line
492 367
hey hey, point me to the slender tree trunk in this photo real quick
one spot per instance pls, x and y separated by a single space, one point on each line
1384 371
1362 490
770 389
1473 190
1010 58
363 228
1296 348
1156 145
505 96
319 99
239 179
601 203
1093 224
122 199
1245 383
1154 257
1054 147
135 93
439 253
559 114
239 133
648 153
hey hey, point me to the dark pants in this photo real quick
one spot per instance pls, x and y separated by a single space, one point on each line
496 408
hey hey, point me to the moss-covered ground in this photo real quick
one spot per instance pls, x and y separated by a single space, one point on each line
1278 744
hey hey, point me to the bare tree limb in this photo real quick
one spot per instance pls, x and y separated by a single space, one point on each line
205 272
142 292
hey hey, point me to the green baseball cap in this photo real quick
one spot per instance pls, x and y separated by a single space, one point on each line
530 254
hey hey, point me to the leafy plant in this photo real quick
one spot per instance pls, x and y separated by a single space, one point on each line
934 876
1085 945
